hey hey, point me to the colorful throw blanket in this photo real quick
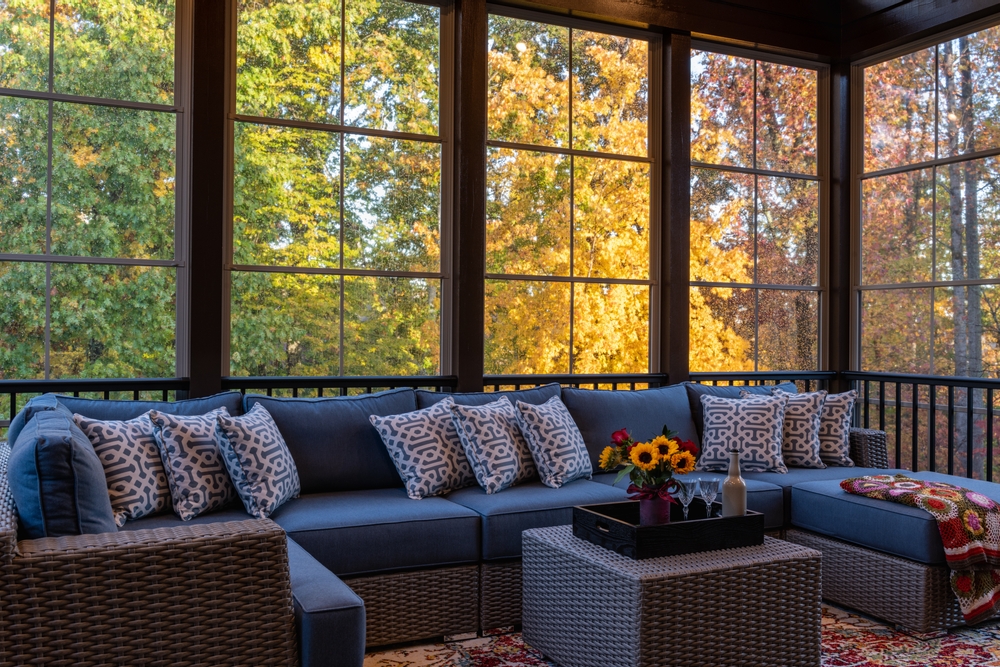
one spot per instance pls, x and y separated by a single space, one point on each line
969 524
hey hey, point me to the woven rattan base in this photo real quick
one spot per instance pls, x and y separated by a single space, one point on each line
585 606
424 604
500 594
910 594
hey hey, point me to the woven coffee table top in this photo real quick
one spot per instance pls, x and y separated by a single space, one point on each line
772 551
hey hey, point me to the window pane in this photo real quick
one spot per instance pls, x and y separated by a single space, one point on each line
611 235
286 197
968 227
787 231
119 50
23 167
786 118
22 321
896 221
96 312
966 332
610 93
610 328
721 109
113 173
392 201
392 326
896 331
899 111
529 82
788 336
721 226
527 327
968 78
285 324
288 59
722 329
24 44
391 66
527 212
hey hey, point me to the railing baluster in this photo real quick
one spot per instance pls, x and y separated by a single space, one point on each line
899 425
135 395
368 390
343 391
989 435
970 430
270 391
914 461
881 405
319 392
951 431
865 389
165 395
107 395
932 427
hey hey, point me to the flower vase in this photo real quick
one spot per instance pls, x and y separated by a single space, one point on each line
654 511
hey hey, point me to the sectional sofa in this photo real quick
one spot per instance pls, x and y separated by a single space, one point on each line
353 562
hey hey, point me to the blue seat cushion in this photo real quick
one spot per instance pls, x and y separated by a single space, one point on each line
531 505
234 511
334 445
57 481
695 391
354 533
882 525
761 496
644 413
535 396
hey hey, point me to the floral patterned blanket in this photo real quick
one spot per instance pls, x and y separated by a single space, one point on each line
969 524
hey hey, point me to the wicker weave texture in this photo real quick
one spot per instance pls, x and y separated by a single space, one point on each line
869 448
500 594
585 606
8 513
913 595
423 604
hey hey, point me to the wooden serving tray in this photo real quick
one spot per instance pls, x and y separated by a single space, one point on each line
615 526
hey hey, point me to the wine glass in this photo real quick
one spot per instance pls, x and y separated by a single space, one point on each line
709 489
685 493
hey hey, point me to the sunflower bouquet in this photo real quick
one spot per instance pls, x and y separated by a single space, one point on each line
650 466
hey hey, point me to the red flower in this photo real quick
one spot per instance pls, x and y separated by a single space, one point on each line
687 446
619 438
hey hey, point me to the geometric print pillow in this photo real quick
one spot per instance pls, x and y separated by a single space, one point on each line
192 459
258 461
493 444
555 442
800 433
751 425
835 429
425 449
137 482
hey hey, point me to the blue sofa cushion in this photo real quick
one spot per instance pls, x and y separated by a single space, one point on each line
234 511
908 532
380 530
695 391
232 401
531 505
57 480
535 396
644 413
333 443
329 616
761 496
30 409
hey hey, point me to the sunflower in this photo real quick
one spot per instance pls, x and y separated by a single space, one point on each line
609 458
645 456
665 447
682 462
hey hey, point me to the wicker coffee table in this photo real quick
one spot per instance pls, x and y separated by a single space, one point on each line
586 606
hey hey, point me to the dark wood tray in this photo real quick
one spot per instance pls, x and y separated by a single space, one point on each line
615 526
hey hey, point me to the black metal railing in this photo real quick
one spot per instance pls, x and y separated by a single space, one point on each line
804 380
619 382
320 386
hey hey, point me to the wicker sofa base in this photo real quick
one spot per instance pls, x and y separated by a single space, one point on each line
500 594
448 604
910 594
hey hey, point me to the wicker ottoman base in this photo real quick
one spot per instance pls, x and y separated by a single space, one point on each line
913 595
424 604
585 606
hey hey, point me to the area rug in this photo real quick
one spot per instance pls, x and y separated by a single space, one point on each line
849 640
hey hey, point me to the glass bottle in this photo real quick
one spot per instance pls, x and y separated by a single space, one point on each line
734 489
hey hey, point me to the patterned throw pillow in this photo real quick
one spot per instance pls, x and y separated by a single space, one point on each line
800 433
752 425
493 443
258 461
835 429
189 448
555 442
425 448
137 482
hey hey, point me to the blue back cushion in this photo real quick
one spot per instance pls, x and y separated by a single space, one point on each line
31 408
644 413
696 391
334 445
535 396
57 481
232 401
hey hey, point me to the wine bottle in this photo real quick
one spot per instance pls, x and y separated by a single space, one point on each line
734 489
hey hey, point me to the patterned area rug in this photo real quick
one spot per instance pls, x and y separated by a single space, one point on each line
849 640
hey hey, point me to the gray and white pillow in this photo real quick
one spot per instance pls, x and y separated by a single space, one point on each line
493 444
835 429
425 449
137 483
751 425
259 463
555 442
192 458
800 433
